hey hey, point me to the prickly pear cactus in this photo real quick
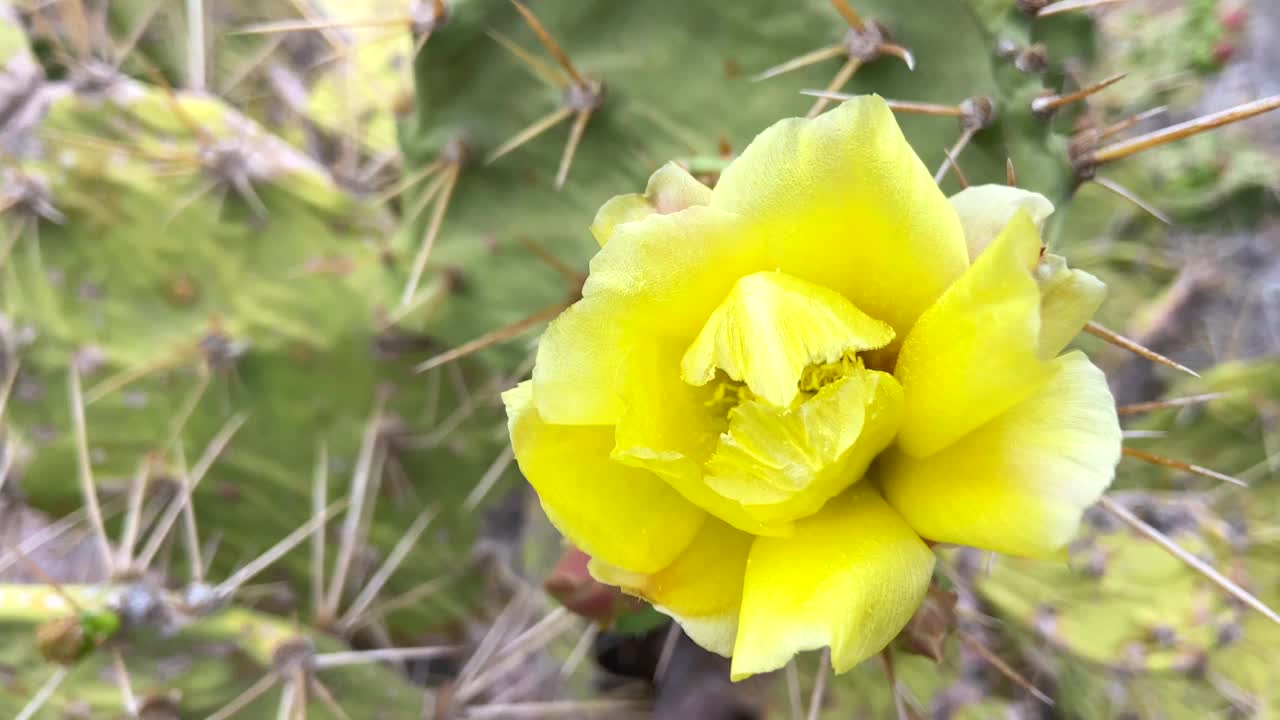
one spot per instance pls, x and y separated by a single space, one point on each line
215 284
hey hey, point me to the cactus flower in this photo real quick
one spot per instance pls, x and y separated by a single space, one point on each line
776 394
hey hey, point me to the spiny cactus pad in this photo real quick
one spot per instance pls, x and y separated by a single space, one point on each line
268 278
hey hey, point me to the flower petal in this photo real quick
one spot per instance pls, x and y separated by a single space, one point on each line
984 210
850 577
846 204
783 465
1019 484
659 276
702 589
670 189
577 369
623 515
1068 299
772 326
976 352
668 427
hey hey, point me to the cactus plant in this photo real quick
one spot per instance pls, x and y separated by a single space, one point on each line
216 289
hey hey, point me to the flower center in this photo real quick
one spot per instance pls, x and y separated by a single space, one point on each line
803 416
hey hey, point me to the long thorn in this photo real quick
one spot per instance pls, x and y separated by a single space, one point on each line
1005 669
196 72
10 380
819 684
793 690
429 238
1046 104
1132 146
546 256
133 511
1072 5
288 695
409 598
1122 125
907 106
488 480
277 551
244 699
286 26
842 76
851 17
535 129
955 167
191 532
548 42
497 336
513 615
363 657
122 51
122 679
809 58
954 153
1180 465
1124 192
326 696
39 573
45 692
545 710
389 566
571 146
529 641
553 76
906 56
211 452
85 473
356 496
1121 341
129 376
186 409
900 709
1187 557
1154 405
319 498
407 182
1010 175
40 538
253 62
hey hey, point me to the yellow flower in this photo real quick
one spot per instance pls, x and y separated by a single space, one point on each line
771 394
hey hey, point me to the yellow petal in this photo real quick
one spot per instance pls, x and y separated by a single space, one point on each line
1068 300
976 352
623 515
847 204
771 327
784 465
670 189
984 210
659 276
671 428
702 589
849 578
666 273
1019 484
580 357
